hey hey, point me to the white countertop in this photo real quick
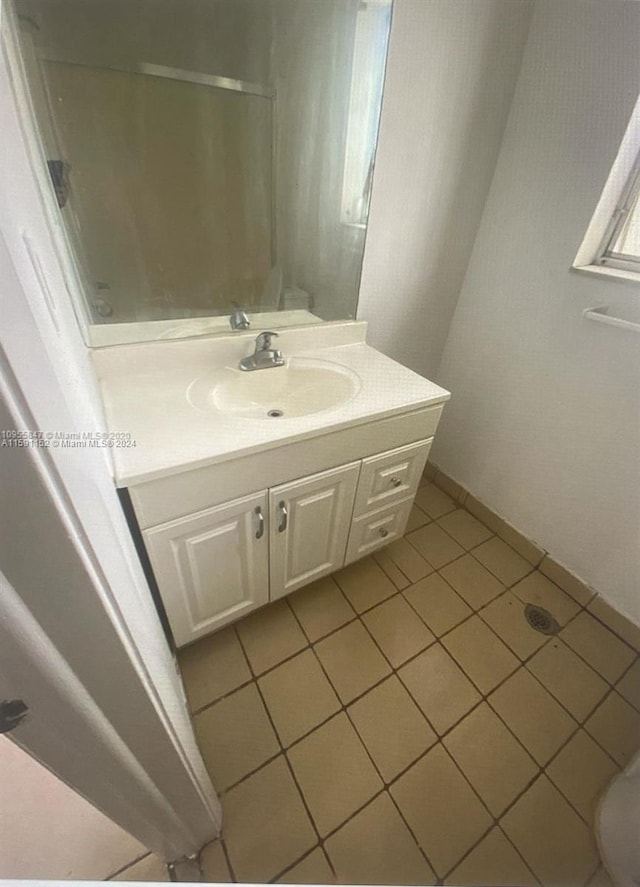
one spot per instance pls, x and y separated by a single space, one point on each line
145 387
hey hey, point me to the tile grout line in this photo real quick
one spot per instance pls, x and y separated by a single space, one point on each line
385 784
286 760
484 697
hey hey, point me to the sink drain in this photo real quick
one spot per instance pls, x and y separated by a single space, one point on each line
275 414
540 619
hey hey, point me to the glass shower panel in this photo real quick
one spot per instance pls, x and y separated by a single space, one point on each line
169 205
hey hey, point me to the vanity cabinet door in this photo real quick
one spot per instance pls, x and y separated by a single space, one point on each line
310 520
212 567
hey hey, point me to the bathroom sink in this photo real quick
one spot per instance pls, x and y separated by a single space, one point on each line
301 387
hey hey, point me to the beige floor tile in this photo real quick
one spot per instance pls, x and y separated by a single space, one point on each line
568 678
376 847
397 630
385 562
472 581
493 863
618 623
151 868
467 530
616 726
447 828
480 653
412 564
266 827
270 635
214 866
321 608
493 761
213 667
505 563
435 545
313 869
417 518
433 501
334 772
298 696
365 584
352 661
555 843
439 687
604 652
506 617
566 580
437 604
629 685
582 771
541 724
537 589
235 736
392 727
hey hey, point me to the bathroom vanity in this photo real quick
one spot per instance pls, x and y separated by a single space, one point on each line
247 486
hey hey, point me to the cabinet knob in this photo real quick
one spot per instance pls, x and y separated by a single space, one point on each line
383 532
396 482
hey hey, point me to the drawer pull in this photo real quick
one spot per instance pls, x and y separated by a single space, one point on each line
260 516
396 482
383 532
284 517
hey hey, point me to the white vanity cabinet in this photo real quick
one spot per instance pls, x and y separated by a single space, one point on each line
216 565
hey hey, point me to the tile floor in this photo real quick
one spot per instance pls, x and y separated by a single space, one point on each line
399 722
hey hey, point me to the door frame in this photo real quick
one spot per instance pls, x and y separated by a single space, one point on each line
151 779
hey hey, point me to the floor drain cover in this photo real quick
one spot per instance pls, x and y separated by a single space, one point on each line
540 619
275 414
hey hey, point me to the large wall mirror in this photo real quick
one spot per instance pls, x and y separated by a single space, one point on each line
207 152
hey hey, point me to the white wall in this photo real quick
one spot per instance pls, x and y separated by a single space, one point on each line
451 73
544 423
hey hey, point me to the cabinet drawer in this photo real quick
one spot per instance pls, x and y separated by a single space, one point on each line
390 477
377 529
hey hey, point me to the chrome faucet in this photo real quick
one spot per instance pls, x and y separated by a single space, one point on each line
238 319
264 355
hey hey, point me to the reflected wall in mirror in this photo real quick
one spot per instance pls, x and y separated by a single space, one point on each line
205 152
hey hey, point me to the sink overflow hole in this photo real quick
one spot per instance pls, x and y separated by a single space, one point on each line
540 619
275 414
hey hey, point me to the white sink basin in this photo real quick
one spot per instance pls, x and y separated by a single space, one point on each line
301 387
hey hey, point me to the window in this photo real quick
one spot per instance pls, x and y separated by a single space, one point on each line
611 247
620 247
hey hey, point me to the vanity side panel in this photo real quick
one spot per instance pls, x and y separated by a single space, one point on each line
190 491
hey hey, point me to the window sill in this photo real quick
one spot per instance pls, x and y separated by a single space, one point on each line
611 273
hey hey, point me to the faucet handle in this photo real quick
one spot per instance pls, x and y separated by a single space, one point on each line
263 340
238 319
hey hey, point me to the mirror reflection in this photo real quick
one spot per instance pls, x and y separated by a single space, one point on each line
210 158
